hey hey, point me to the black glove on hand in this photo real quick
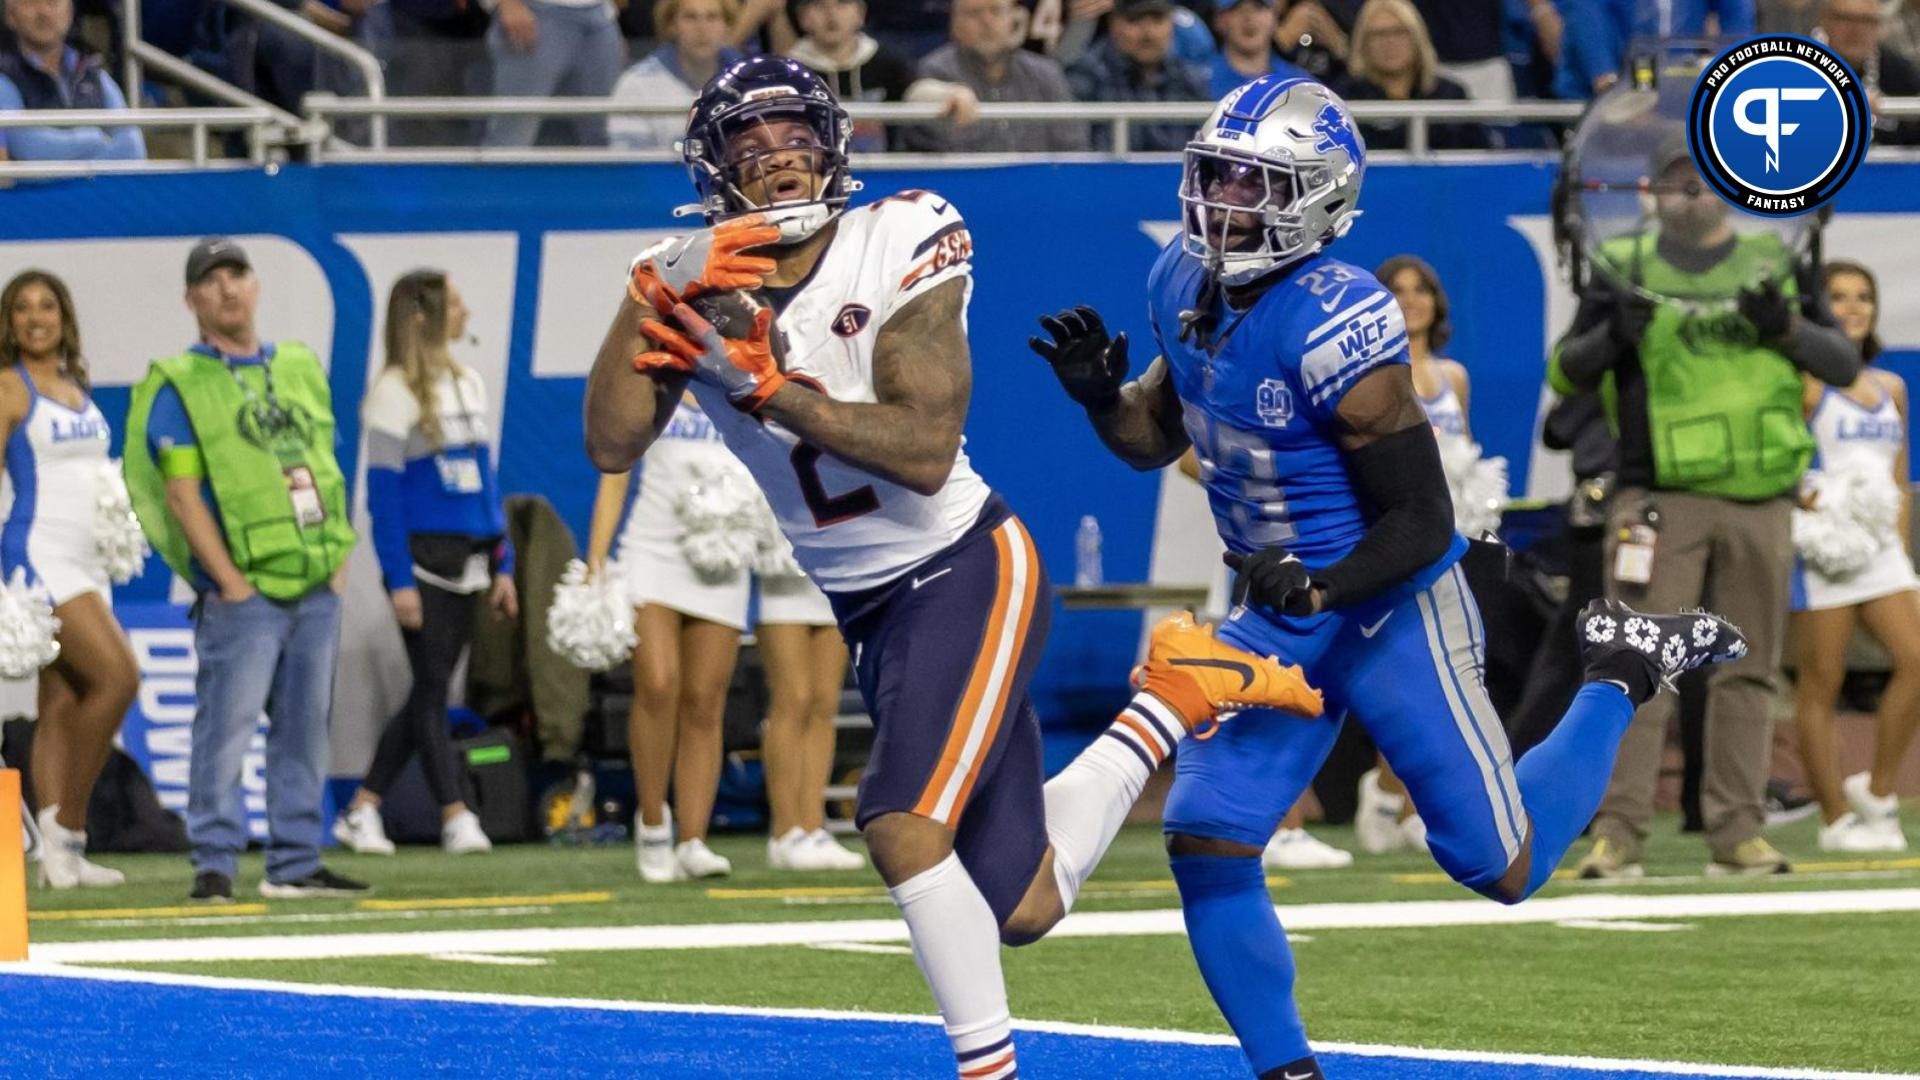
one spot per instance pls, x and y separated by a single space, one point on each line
1631 315
1271 578
1090 365
1768 309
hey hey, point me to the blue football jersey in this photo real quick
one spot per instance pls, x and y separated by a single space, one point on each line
1259 399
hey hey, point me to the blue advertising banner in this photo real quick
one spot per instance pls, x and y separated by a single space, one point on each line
540 253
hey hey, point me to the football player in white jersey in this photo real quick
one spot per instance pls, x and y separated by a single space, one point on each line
856 440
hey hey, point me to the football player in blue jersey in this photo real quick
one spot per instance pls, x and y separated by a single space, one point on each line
1287 372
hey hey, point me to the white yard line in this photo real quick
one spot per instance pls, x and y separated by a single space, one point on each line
1053 1027
497 959
1399 914
314 917
1630 926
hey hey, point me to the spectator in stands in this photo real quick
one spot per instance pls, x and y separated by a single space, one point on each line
835 44
1393 60
1707 476
41 71
1787 16
1852 27
982 56
1135 62
432 48
1467 43
1192 40
763 23
439 529
1862 426
1901 30
911 27
1593 47
230 463
693 49
1312 38
1246 29
56 445
549 48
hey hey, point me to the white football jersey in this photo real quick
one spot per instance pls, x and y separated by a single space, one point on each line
850 529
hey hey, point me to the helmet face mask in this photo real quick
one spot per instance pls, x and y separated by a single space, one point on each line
755 128
1271 177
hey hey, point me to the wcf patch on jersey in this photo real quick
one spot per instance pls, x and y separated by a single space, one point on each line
1274 402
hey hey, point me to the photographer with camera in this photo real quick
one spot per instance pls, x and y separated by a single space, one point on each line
1698 347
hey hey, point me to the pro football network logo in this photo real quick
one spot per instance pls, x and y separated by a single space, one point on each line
1778 124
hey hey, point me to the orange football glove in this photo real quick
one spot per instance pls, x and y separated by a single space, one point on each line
743 367
710 260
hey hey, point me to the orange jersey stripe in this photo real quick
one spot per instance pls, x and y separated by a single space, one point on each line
1013 662
962 724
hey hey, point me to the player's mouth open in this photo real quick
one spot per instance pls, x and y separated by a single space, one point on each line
788 186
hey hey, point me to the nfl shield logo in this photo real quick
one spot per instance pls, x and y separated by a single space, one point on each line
1274 403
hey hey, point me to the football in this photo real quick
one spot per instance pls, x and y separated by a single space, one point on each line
732 313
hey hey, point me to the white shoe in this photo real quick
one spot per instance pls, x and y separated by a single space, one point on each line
824 852
653 852
63 857
780 848
697 860
1298 849
1376 824
1850 833
362 830
1413 834
462 835
1879 813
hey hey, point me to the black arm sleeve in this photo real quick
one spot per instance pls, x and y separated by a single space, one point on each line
1587 351
1822 352
1400 474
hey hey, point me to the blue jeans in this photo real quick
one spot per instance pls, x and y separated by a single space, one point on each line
579 53
273 656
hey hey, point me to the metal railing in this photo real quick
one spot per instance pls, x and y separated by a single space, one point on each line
260 125
1119 117
138 53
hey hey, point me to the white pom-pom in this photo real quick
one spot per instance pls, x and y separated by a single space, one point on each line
774 556
1855 514
719 528
1478 485
27 628
590 622
117 535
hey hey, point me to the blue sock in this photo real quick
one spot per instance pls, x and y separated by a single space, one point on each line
1243 955
1563 779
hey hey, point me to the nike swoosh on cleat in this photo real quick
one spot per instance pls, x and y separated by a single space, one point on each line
917 582
1245 671
1368 631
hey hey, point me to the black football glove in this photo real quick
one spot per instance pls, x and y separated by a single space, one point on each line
1090 366
1631 315
1768 309
1271 578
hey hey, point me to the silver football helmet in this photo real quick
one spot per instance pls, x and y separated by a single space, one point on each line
1271 177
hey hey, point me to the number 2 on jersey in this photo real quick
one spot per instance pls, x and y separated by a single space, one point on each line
828 509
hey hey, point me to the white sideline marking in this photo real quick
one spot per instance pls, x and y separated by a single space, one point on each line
1628 925
314 917
866 947
1101 1031
1396 914
504 960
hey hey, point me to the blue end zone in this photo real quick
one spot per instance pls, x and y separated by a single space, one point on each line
66 1027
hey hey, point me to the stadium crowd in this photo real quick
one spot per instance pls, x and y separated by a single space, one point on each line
955 54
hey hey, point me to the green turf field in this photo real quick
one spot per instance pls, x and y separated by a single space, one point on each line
1812 990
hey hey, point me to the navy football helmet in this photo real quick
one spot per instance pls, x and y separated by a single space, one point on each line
750 94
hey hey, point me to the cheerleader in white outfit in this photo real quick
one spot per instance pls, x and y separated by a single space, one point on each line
55 446
1863 426
806 663
689 625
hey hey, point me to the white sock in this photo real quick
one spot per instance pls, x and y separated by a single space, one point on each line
956 942
1088 801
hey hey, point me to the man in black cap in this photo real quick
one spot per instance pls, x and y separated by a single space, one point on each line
1136 62
230 463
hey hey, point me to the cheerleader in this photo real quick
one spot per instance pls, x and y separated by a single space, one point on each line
689 623
1861 427
439 529
806 662
55 450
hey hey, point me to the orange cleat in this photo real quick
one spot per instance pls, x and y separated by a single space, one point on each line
1202 677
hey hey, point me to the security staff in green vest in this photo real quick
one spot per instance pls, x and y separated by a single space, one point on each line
1703 388
230 462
